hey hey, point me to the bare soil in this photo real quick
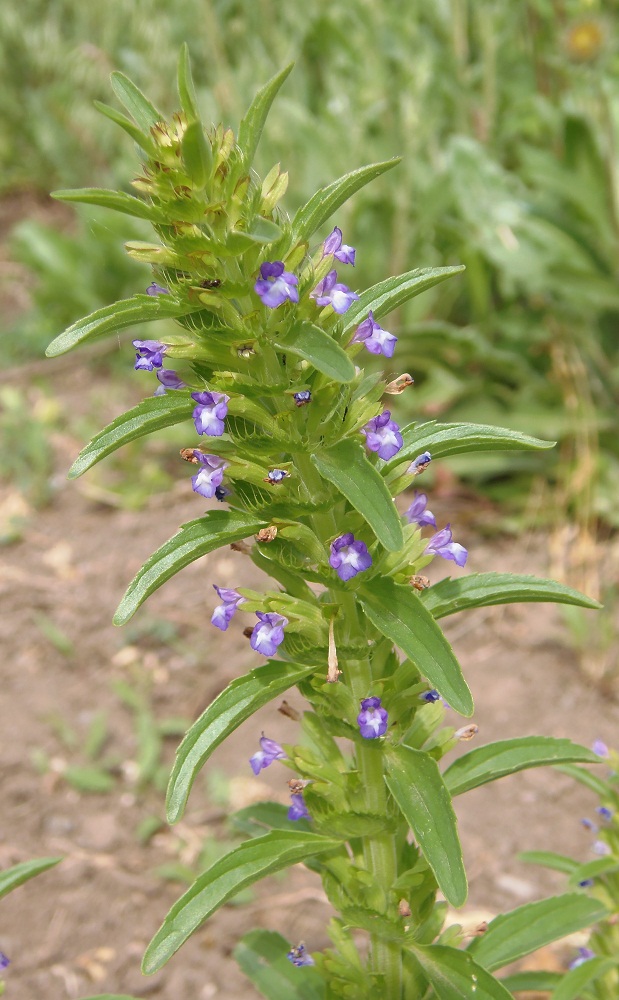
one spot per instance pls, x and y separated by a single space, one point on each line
81 928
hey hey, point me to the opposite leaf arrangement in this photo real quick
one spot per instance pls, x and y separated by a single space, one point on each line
298 447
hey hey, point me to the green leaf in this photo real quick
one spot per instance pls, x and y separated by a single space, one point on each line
252 124
256 820
118 201
495 760
480 590
387 295
186 89
194 539
262 232
126 312
442 440
328 199
243 866
144 141
414 780
574 981
139 107
529 927
536 980
197 154
314 345
584 777
549 859
399 614
237 702
347 467
454 975
10 878
262 957
150 415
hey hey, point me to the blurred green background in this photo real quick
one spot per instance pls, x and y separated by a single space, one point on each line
507 119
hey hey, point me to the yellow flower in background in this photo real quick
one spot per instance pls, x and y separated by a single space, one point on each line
584 39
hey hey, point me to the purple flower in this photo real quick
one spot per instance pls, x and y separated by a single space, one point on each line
299 956
4 961
349 557
418 513
302 398
372 719
155 289
210 476
269 751
432 695
221 492
333 244
382 435
268 634
586 883
601 848
584 954
600 748
298 809
375 339
419 464
276 476
329 292
589 825
208 415
169 380
149 354
225 612
441 545
606 814
275 285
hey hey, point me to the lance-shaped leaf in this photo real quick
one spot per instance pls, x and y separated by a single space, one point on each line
150 415
243 696
262 957
387 295
496 760
414 780
139 107
10 878
535 980
252 124
126 312
399 614
529 927
442 440
243 866
144 141
194 539
325 202
118 201
453 974
481 590
197 154
575 980
258 819
347 467
549 859
186 89
586 778
314 345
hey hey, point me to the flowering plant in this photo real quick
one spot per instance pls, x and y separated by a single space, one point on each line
296 443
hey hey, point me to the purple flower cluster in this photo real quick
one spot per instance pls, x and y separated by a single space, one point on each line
268 752
333 245
349 557
299 956
418 512
225 612
275 285
330 292
382 435
208 415
372 719
374 338
208 480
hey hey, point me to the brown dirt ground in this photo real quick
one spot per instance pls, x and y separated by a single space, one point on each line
81 928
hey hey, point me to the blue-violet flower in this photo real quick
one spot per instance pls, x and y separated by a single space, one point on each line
299 956
221 492
230 604
601 848
268 634
605 813
298 809
155 289
208 415
4 961
372 719
589 825
600 748
432 695
268 752
382 435
275 285
584 954
419 464
329 292
149 354
374 338
210 476
349 557
276 476
418 512
169 380
302 398
333 244
441 545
